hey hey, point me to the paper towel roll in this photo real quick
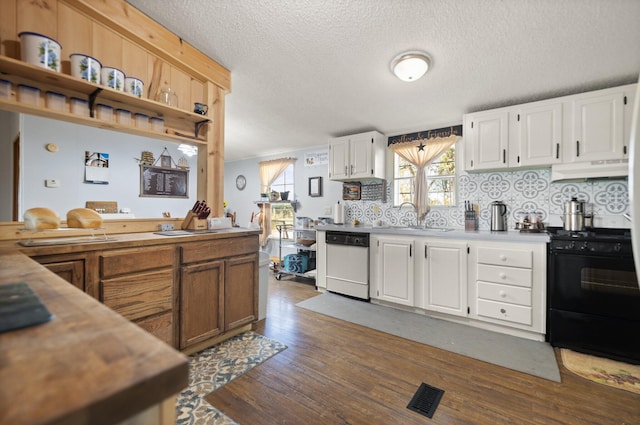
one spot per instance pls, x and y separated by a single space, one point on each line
338 213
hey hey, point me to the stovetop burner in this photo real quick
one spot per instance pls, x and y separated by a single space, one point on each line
596 241
597 233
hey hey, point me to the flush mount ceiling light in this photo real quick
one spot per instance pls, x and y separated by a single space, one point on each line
410 66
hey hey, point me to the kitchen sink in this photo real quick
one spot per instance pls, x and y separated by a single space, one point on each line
420 228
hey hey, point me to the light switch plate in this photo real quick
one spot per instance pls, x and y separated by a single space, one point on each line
166 227
52 183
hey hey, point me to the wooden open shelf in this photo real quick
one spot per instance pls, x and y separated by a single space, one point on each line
181 126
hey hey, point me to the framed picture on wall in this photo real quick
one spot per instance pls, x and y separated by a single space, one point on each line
351 191
165 161
315 187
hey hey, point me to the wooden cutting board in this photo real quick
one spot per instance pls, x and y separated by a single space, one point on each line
109 207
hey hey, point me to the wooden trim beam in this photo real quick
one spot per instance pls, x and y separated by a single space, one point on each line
139 28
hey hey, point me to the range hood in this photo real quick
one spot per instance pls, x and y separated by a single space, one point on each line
615 168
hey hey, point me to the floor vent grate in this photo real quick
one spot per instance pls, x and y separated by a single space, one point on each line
425 400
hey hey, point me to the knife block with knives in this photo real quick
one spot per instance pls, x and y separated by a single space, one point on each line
196 218
470 217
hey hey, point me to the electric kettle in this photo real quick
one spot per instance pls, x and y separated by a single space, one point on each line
498 216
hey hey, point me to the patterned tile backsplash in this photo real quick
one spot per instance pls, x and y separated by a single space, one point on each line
523 192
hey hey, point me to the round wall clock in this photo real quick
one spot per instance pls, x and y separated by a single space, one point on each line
241 182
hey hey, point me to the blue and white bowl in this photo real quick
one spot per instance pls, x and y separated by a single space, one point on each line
112 77
40 50
85 67
133 86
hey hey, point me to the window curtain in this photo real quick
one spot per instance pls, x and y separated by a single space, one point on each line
269 172
420 153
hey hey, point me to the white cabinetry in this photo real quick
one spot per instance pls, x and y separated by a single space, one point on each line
593 126
598 127
444 276
507 284
321 259
359 156
392 260
520 136
538 136
487 139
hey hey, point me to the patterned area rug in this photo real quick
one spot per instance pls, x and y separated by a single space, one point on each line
214 367
603 371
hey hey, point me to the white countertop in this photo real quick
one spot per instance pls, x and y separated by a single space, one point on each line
508 236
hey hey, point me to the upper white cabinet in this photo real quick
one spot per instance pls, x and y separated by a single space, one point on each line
598 127
393 260
521 136
444 276
359 156
538 136
488 139
593 126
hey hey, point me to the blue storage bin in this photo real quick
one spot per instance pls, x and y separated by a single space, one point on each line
296 263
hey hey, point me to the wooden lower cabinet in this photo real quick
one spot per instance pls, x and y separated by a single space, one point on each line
201 302
71 269
240 296
219 291
186 294
140 285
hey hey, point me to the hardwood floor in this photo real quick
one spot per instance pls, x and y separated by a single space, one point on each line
335 372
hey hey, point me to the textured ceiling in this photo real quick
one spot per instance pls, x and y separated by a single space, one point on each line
303 71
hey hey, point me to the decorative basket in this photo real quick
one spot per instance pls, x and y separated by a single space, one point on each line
305 242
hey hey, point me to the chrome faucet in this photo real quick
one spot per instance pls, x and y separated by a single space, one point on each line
415 209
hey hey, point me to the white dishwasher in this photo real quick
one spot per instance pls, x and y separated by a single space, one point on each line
348 263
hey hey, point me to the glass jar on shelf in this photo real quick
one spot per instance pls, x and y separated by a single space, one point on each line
168 97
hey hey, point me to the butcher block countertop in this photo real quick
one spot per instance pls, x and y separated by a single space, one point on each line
88 365
54 241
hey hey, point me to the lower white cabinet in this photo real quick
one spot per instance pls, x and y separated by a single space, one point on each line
444 276
321 259
420 272
392 268
507 284
499 286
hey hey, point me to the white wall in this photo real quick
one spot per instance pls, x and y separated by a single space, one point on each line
9 127
67 166
243 202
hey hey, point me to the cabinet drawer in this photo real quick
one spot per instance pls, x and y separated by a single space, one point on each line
504 293
505 275
138 296
503 311
114 263
160 326
506 257
218 248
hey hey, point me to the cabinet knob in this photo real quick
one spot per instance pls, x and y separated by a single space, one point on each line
503 257
502 276
503 311
502 294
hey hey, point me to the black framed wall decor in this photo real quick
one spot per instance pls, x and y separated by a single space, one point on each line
315 187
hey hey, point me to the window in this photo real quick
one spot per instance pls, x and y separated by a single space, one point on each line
282 213
441 176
